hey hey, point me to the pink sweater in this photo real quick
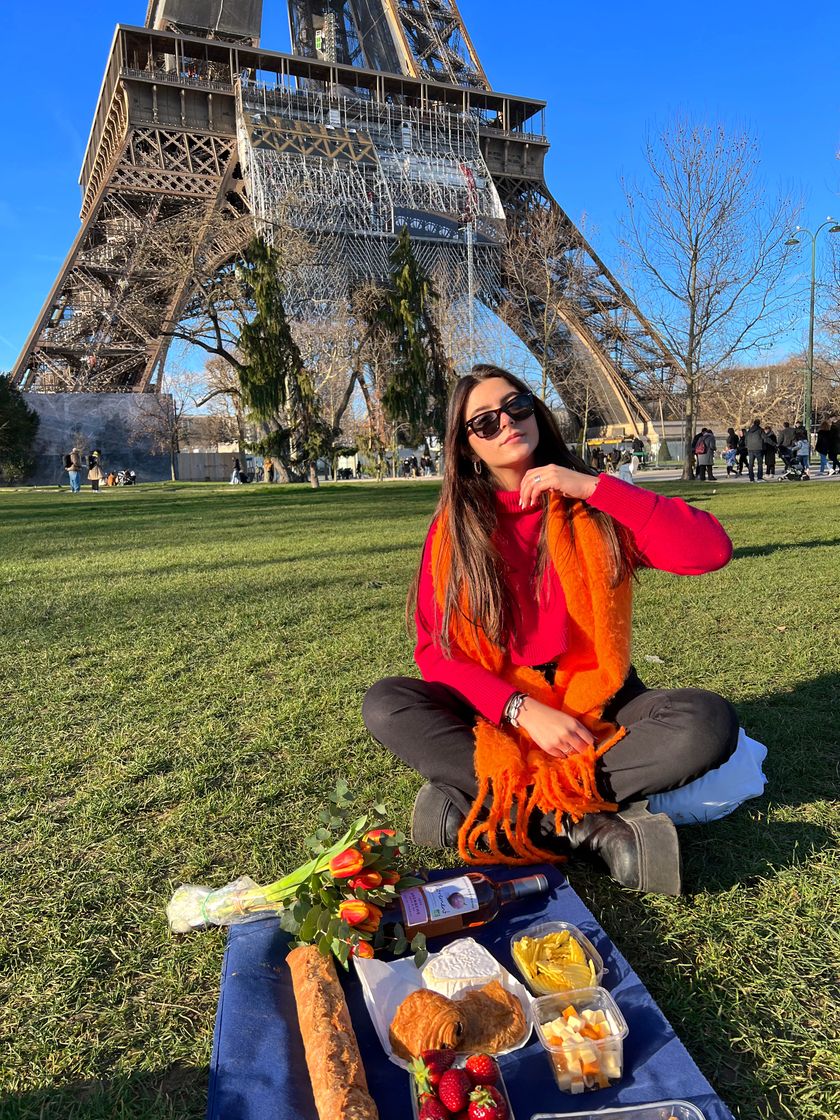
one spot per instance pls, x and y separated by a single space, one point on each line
669 535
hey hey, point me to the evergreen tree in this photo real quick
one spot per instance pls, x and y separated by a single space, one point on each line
276 385
18 427
417 389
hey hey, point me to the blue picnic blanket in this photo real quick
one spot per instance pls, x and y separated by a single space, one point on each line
258 1069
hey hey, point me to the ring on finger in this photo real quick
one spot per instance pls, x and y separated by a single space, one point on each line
537 478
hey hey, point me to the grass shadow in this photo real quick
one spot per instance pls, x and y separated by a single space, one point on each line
769 549
176 1093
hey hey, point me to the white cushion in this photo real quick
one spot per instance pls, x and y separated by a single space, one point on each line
719 792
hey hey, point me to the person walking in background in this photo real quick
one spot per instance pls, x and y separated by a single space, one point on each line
73 466
711 442
754 440
235 479
95 470
742 451
770 444
834 443
625 467
802 450
730 454
787 437
704 451
823 446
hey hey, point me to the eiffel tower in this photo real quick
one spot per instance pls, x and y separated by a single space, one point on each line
382 117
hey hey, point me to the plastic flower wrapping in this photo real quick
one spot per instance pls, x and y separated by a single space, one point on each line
335 900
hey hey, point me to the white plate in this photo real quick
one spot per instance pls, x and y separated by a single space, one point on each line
386 985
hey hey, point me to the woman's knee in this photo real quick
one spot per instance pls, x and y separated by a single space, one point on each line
380 705
708 727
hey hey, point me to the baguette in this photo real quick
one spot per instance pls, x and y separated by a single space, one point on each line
335 1066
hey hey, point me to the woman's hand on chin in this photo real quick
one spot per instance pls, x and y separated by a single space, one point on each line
554 732
540 480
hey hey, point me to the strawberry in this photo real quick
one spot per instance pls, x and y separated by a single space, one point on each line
432 1109
482 1069
437 1062
442 1058
454 1089
487 1103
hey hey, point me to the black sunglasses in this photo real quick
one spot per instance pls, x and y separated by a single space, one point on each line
487 424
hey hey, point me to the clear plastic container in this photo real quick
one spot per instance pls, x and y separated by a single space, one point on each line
459 1063
592 1063
660 1110
543 929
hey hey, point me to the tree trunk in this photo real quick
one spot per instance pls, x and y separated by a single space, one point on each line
584 441
313 474
690 374
688 430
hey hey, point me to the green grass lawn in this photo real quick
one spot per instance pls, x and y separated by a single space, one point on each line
182 675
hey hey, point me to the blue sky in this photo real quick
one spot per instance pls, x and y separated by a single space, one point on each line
608 71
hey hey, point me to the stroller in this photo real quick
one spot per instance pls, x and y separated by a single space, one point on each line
794 471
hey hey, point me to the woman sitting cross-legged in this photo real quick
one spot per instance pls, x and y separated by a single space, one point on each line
531 727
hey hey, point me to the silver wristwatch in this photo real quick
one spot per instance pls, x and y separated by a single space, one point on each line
513 708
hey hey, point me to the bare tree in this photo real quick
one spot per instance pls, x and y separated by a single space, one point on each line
331 348
708 242
222 396
161 420
738 394
544 279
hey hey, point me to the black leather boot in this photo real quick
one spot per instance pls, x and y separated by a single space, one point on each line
435 820
641 849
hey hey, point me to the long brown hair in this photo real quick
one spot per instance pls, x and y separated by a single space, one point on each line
467 510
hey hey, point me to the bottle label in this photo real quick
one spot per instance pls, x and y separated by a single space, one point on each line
435 901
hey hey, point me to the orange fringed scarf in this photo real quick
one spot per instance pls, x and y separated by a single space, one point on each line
508 764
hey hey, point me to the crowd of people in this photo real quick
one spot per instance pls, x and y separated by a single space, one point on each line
96 473
758 448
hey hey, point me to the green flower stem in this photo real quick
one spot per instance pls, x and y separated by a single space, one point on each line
262 898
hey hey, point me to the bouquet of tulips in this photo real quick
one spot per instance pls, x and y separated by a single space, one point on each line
335 900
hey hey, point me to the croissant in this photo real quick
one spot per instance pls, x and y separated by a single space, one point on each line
493 1019
426 1020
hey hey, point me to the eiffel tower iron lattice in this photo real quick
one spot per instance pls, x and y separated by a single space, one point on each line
381 117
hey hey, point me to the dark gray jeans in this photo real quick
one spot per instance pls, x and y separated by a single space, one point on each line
673 736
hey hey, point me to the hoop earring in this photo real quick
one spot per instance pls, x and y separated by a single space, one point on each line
478 466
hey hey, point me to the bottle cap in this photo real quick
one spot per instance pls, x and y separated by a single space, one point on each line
531 884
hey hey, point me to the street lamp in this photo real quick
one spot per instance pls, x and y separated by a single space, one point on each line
794 239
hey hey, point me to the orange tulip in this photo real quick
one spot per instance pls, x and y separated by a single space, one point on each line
367 881
391 878
376 834
346 863
354 912
370 924
364 949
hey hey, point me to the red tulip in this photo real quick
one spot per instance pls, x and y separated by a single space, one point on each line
364 949
346 863
391 878
367 881
354 912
